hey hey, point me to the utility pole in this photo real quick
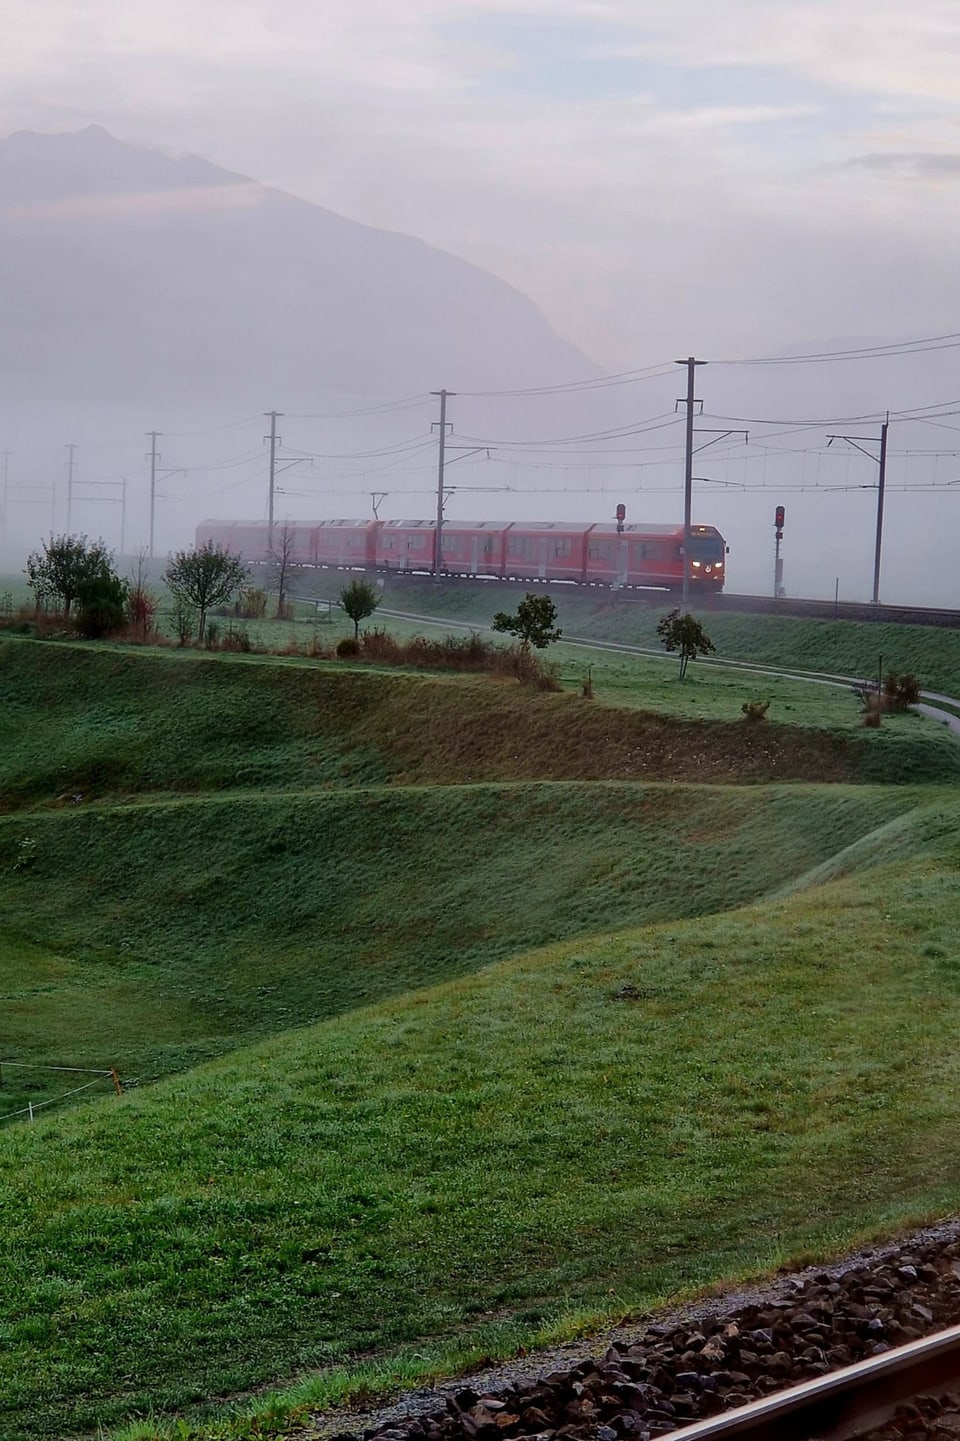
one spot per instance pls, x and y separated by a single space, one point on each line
441 427
153 457
881 462
690 402
273 438
71 466
881 482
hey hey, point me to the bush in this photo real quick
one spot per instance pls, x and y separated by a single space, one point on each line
184 619
236 638
348 648
755 710
900 691
253 603
101 605
142 612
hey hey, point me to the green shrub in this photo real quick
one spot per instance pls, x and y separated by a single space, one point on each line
348 648
101 604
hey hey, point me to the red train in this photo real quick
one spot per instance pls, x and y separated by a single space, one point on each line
642 555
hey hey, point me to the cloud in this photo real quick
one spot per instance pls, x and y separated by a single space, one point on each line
191 199
922 166
644 172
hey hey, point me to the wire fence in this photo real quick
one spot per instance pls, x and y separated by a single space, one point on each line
28 1112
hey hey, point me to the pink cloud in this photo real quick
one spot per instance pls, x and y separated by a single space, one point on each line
186 199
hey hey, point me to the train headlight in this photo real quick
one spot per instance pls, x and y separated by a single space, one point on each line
695 564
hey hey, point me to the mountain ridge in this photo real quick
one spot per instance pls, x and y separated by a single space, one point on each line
88 217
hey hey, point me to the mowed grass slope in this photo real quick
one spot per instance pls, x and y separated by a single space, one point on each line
510 1147
153 936
81 722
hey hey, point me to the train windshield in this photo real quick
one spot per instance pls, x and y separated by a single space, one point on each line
706 547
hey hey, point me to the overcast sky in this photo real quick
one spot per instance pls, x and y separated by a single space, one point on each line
662 176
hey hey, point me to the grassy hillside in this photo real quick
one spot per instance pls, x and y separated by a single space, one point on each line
87 722
587 1127
159 935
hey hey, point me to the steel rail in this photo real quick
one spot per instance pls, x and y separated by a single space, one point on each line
844 1403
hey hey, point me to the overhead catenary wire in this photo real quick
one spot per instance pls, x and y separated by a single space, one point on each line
920 346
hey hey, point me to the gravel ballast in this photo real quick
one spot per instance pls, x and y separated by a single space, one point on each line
655 1378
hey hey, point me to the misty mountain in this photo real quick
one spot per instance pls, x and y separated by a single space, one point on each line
128 277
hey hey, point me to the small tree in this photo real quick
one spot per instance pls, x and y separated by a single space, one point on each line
67 562
685 634
359 599
282 547
203 577
102 604
533 623
39 581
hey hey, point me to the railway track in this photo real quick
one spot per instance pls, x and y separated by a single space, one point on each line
744 604
869 1347
852 1402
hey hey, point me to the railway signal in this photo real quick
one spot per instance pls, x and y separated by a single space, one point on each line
778 518
621 517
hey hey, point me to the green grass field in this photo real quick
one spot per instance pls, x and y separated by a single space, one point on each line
462 1015
840 647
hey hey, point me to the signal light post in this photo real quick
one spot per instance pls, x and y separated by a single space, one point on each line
778 518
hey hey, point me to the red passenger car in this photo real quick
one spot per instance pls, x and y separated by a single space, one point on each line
550 551
405 545
473 547
347 544
247 539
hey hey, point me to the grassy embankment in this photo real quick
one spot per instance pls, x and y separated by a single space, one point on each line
840 647
485 1157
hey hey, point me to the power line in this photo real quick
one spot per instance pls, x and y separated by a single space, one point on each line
409 402
624 377
869 352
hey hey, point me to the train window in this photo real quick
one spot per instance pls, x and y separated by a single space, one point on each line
561 547
519 545
600 550
488 547
416 542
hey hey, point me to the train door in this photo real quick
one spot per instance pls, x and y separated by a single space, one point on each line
475 556
542 546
